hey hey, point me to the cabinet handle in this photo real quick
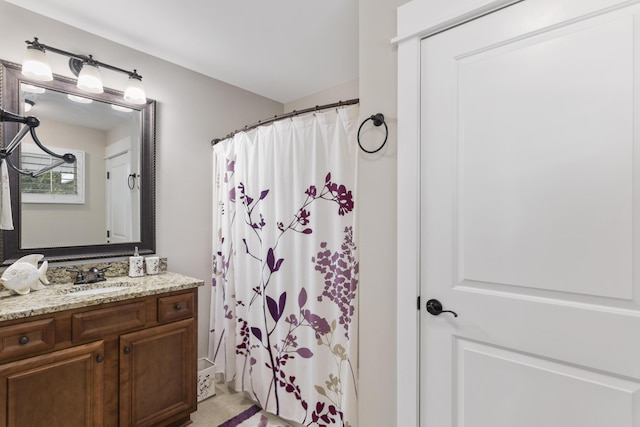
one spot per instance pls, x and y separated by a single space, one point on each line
100 358
127 350
178 307
23 340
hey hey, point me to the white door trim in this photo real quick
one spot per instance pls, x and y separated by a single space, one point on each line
408 235
416 20
419 19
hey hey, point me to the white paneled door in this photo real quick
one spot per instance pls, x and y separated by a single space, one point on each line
530 224
120 191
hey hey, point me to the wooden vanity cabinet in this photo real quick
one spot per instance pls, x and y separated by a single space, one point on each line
157 372
59 389
156 379
120 364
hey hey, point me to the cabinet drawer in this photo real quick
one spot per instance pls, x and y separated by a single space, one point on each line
96 324
27 338
175 307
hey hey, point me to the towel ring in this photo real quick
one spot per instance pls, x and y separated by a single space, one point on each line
378 119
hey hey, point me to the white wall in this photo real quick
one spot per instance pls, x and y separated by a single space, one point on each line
377 208
343 92
191 110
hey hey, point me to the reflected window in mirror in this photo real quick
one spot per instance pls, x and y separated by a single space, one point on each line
62 184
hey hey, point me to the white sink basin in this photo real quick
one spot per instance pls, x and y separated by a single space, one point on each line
96 289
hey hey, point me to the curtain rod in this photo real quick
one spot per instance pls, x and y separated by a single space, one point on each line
286 116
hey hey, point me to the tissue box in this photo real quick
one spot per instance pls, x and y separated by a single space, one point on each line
206 378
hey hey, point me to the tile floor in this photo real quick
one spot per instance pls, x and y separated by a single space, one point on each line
225 405
217 409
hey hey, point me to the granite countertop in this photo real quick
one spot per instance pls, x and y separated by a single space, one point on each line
59 297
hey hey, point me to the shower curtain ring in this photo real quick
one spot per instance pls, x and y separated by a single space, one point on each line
378 120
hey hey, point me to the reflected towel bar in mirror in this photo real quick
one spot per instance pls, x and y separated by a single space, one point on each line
30 125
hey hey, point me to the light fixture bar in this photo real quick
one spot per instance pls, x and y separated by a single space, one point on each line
89 79
84 58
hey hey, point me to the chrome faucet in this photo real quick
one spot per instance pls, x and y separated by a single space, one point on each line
92 275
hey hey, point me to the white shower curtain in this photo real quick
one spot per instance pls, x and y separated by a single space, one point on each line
285 269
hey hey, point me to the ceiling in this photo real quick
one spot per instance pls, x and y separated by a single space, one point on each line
281 49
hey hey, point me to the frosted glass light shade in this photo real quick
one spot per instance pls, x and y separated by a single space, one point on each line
35 65
90 79
134 93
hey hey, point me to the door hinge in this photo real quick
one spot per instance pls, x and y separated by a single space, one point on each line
418 302
108 234
107 175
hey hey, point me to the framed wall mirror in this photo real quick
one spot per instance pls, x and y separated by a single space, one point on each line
101 206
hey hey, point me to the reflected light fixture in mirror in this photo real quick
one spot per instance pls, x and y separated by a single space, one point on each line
31 88
121 108
79 99
36 66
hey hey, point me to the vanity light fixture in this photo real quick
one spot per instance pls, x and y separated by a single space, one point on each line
35 63
36 66
89 78
134 93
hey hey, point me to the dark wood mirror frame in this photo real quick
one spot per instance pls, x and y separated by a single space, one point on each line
10 79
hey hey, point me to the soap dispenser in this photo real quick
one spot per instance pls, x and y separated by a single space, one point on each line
136 267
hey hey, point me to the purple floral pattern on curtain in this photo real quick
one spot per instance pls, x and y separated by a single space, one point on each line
285 276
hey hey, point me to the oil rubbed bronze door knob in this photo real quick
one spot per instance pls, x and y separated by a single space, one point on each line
434 307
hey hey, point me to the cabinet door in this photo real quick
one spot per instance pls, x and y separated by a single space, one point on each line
59 389
157 374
